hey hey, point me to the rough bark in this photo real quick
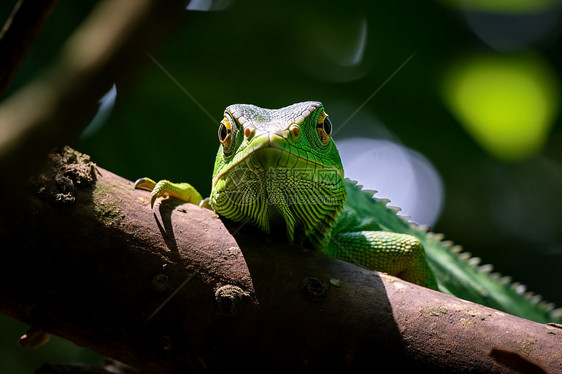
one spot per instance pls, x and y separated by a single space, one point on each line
173 288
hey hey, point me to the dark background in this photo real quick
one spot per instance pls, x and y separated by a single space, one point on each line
500 198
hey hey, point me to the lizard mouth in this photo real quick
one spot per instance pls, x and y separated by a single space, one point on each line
268 152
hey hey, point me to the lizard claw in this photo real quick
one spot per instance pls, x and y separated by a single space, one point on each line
181 191
161 189
149 185
144 184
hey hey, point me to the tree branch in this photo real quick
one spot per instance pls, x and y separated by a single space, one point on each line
170 290
53 109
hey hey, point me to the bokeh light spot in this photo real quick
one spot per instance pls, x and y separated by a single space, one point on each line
506 103
404 176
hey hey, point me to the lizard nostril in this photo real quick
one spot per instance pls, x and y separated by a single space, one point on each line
249 132
295 130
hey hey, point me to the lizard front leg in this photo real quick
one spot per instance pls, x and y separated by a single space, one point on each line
181 191
401 255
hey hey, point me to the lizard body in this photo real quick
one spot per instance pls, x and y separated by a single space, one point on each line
280 170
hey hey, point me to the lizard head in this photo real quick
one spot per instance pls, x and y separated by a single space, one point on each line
279 168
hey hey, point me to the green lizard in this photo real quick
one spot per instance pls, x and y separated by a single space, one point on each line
280 170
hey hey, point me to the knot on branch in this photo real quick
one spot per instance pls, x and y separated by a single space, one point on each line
65 170
230 299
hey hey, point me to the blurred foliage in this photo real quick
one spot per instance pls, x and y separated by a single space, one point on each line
274 54
16 360
507 6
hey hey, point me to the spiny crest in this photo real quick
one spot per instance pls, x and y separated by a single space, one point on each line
468 259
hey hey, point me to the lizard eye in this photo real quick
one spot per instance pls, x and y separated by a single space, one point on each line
226 133
324 128
327 126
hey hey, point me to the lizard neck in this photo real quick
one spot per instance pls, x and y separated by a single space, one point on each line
304 202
